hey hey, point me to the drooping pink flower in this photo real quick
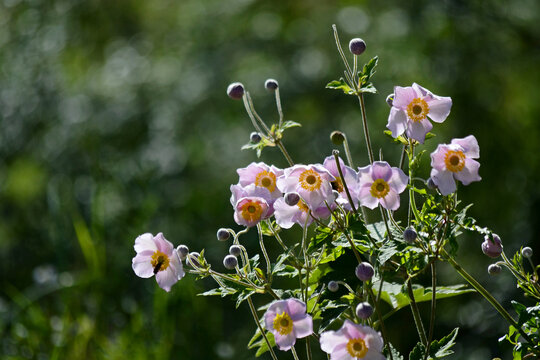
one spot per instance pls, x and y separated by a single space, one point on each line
381 184
311 182
352 342
249 211
351 180
288 321
455 161
286 215
412 106
157 256
261 175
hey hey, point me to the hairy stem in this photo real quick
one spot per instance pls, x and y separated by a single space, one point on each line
256 318
416 314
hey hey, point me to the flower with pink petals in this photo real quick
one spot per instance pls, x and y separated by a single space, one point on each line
311 182
455 161
261 175
352 342
381 184
351 180
412 106
157 256
287 216
288 321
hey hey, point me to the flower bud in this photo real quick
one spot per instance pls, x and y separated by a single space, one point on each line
364 271
492 248
527 252
271 84
235 250
333 286
409 235
364 310
235 90
291 198
357 46
223 234
230 262
194 258
183 251
494 269
431 184
255 137
337 137
390 100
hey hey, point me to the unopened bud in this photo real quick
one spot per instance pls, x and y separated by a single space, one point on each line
409 235
235 90
194 258
230 262
364 271
494 269
255 137
223 234
333 286
364 310
492 248
271 84
235 250
357 46
390 100
291 198
183 251
337 137
527 252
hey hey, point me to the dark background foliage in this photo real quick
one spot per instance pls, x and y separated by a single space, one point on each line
114 122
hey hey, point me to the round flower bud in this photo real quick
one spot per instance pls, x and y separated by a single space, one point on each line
357 46
364 271
255 137
390 100
235 90
271 84
235 250
291 198
230 262
194 257
494 269
431 184
337 137
409 235
527 252
492 248
333 286
223 234
183 251
364 310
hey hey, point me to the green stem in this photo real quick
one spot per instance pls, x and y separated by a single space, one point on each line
433 304
250 114
256 318
284 151
265 254
276 235
338 165
279 109
340 50
347 151
416 314
365 125
383 328
294 354
250 102
344 231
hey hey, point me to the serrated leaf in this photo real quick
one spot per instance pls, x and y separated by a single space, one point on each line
417 352
442 348
341 85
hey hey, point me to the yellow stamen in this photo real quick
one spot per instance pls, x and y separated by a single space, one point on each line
283 323
159 261
302 205
338 185
454 160
357 348
417 110
379 188
310 180
266 179
252 211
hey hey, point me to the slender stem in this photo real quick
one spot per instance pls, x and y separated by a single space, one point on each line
433 304
231 279
416 314
250 102
256 318
338 165
412 202
366 130
385 219
308 348
252 118
294 354
276 235
402 160
278 104
340 50
266 258
475 284
383 328
307 261
355 66
347 150
356 253
284 151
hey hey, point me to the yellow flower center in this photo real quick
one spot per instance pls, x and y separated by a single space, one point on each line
417 110
283 323
454 160
357 348
159 261
310 180
338 185
252 211
379 188
266 179
302 205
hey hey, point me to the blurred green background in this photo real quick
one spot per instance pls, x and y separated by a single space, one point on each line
114 122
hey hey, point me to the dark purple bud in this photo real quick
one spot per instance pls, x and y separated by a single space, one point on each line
492 248
527 252
255 137
235 250
230 262
271 84
357 46
183 251
235 90
409 235
337 137
431 184
364 271
194 258
291 198
494 269
364 310
223 234
333 286
390 100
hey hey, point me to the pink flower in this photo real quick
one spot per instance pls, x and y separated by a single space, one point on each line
351 180
249 211
455 161
238 192
381 184
261 175
311 182
411 108
288 321
352 342
287 216
157 256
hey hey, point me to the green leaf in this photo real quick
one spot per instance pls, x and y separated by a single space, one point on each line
289 124
417 352
442 348
365 76
377 231
218 291
399 140
341 85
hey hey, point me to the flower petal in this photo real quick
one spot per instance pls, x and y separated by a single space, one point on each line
469 145
399 180
365 197
403 96
439 108
390 201
469 172
285 342
145 242
166 278
303 327
381 170
164 245
331 339
296 309
438 156
397 121
142 265
444 181
341 353
417 130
